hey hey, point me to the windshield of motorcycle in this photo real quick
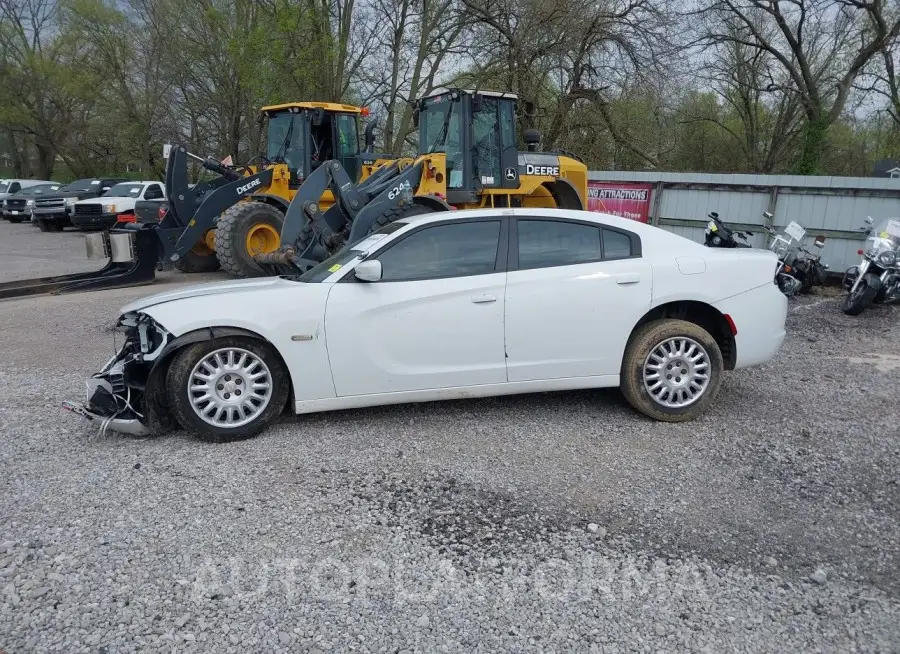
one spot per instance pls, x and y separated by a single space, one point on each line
783 246
884 238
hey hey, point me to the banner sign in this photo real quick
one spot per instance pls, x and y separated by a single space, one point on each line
623 199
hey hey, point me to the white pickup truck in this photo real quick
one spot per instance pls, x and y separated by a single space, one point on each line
102 212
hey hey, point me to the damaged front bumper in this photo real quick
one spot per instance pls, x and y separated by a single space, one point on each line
125 395
131 426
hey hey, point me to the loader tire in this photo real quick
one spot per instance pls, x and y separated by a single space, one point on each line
396 213
198 262
246 229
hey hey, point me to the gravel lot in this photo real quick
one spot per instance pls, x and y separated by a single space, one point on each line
542 523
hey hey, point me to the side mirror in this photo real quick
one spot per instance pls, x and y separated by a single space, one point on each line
869 220
768 215
368 271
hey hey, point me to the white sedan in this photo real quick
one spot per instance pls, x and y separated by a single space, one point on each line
441 306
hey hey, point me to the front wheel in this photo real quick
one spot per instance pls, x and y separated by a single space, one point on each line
199 259
672 370
857 301
227 389
245 230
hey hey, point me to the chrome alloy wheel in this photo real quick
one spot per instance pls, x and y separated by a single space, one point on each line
676 372
230 387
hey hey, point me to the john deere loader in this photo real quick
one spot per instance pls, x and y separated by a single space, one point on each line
468 158
232 218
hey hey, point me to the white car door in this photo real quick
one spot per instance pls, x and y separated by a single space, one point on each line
434 320
574 292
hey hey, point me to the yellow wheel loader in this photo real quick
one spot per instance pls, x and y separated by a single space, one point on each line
232 218
468 158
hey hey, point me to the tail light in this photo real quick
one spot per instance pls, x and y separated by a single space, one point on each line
859 252
161 213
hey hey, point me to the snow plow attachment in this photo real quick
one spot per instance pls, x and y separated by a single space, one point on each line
132 254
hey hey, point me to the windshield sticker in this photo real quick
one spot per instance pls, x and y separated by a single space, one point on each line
135 190
95 182
335 267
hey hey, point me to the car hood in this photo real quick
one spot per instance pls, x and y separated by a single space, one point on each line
214 288
68 194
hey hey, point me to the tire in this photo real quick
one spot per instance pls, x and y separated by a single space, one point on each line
396 213
42 225
648 338
855 303
193 262
232 231
180 374
14 220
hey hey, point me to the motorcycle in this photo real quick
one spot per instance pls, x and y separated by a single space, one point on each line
785 245
877 277
808 267
719 235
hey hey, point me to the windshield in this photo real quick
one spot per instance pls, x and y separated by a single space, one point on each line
39 189
337 261
124 191
83 185
885 236
439 131
285 141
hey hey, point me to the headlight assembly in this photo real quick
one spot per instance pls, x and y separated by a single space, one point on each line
71 201
887 258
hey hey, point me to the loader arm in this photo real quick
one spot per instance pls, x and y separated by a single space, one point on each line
214 203
181 198
309 235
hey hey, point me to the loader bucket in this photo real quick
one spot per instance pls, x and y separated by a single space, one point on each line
132 262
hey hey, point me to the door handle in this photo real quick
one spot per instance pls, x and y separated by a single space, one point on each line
483 299
628 278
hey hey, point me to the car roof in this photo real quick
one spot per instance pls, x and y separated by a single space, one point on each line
536 212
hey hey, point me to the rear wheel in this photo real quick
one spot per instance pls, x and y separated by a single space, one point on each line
227 389
245 230
672 370
857 301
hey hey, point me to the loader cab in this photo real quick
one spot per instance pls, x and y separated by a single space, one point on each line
477 132
303 135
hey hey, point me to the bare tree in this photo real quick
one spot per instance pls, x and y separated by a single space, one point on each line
818 48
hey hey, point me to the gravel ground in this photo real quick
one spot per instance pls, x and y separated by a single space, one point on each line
542 523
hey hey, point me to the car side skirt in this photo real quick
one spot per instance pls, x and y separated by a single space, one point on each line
455 393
